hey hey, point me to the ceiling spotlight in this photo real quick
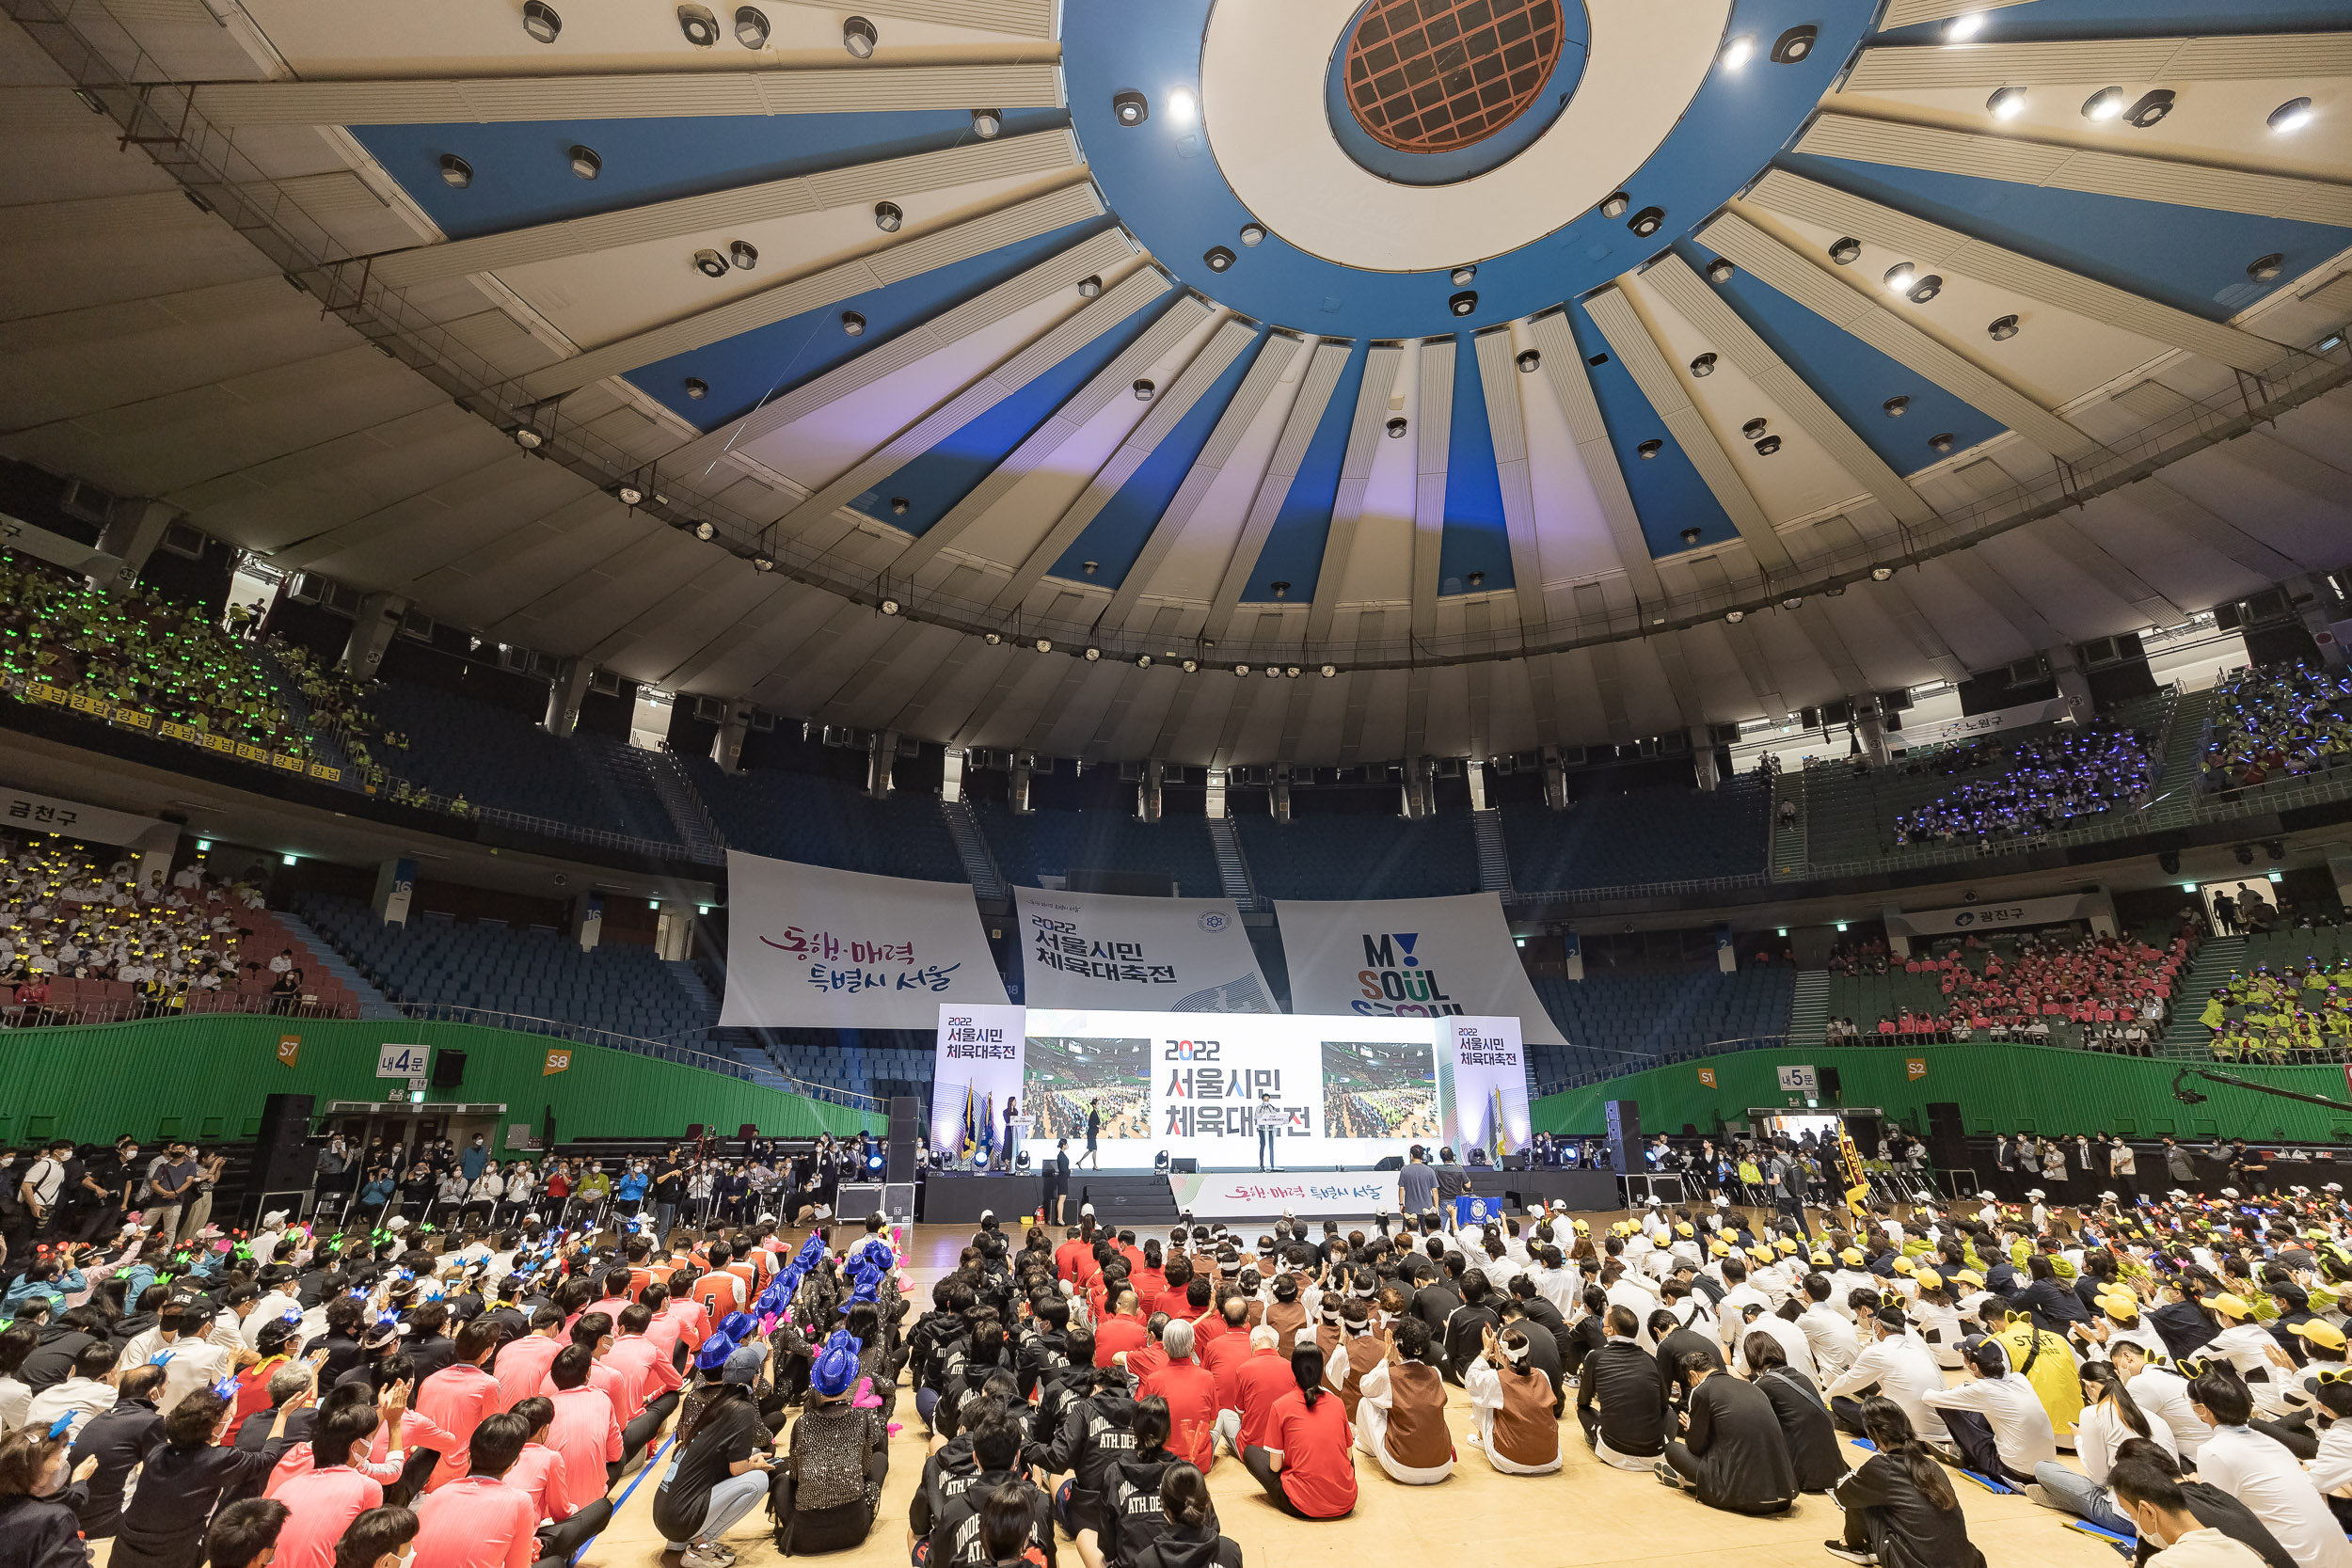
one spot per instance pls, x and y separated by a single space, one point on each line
992 638
629 494
1704 366
1753 429
1961 29
1290 671
1396 426
2291 117
586 162
2263 269
888 218
751 26
1690 536
1143 661
540 20
1614 205
1879 574
1183 108
1792 602
1845 251
1328 671
455 173
1273 672
1252 235
2151 109
710 263
898 505
888 607
743 254
761 563
1794 45
2007 103
1768 446
1093 655
1901 277
858 37
1529 360
853 323
2104 105
528 438
1044 644
1648 221
660 500
1478 579
1217 258
1897 407
1650 448
1090 567
2002 330
1926 289
1720 271
1735 616
705 531
1191 666
700 28
1942 441
987 124
1739 52
1281 588
697 389
1462 277
1130 108
1463 303
1144 390
1241 669
1089 287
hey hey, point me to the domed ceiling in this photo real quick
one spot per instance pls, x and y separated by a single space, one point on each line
1007 373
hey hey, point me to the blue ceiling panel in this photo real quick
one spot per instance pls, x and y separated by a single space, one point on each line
1294 546
1476 539
1667 490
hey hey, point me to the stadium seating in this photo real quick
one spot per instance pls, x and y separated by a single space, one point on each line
1361 856
1641 836
1054 843
493 756
820 821
1618 1023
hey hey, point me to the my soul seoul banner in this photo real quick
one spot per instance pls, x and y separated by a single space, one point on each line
812 947
1138 955
1409 958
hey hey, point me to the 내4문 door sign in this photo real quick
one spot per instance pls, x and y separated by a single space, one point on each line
400 1061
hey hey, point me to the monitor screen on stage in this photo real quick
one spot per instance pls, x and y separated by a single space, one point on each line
1350 1091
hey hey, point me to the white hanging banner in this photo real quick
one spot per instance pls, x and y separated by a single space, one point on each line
1105 950
1486 1101
1411 958
813 947
976 1073
2017 912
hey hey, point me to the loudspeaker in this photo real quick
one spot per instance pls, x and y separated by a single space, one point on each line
1624 1136
1184 1164
281 1162
906 1136
1392 1161
1865 1132
1947 1142
1831 1088
449 1068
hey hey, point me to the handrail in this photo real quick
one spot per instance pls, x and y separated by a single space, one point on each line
1675 1057
73 1014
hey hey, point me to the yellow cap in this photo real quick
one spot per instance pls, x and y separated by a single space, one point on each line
1583 1228
1719 1248
2121 1306
2319 1332
1851 1255
1684 1228
1787 1246
1930 1280
1819 1259
1904 1265
1968 1276
2228 1306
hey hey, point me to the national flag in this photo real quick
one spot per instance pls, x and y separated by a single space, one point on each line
1498 1140
971 1136
988 1125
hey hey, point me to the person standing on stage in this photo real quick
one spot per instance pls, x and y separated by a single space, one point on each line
1270 1119
1094 1133
1056 1194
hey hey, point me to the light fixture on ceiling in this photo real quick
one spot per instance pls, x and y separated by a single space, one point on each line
1897 407
1943 441
2290 116
1464 303
1845 251
1792 602
1328 671
1090 567
1795 44
1648 221
455 173
1241 669
1290 671
1089 287
889 217
700 28
1396 426
1529 360
987 124
1280 588
705 531
1735 616
858 37
1463 276
898 505
1252 235
1961 29
888 607
1704 366
1925 290
1145 390
1720 271
1191 666
751 26
710 263
2265 268
2002 330
1183 108
660 500
526 437
1879 574
992 638
761 563
1043 645
2328 344
540 20
1143 661
853 323
1478 579
1615 204
2006 102
2105 104
1901 277
1753 429
1739 52
1691 536
1093 655
1216 258
1650 449
1768 446
743 254
697 389
628 493
2151 110
1130 108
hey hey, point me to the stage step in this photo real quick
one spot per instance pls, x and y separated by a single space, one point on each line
1121 1199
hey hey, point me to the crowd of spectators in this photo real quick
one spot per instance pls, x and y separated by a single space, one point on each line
2299 1012
2043 785
2115 990
2276 721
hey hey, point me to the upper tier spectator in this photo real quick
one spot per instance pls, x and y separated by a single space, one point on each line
2046 783
2280 720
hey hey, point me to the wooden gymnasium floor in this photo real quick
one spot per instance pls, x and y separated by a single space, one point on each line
1587 1513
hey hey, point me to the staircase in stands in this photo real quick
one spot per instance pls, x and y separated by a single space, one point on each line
661 773
1790 851
1232 869
1494 857
373 1003
2184 1033
734 1044
979 863
1808 1007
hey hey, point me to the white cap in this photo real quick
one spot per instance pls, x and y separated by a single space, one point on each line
2229 1192
2177 1191
1988 1198
1086 1208
987 1215
2036 1193
2108 1197
398 1222
1722 1202
276 1216
1655 1201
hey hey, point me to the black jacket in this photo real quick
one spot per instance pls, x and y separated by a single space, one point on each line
52 1361
1673 1348
1132 1515
1907 1531
1814 1447
44 1532
1096 1433
119 1439
2215 1508
1622 1378
1744 1459
1201 1548
162 1524
1465 1339
955 1537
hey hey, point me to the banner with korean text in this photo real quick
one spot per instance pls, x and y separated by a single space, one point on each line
1138 955
1243 1195
813 947
1486 1096
976 1073
1409 958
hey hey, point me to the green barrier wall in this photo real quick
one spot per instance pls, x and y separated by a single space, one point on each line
2000 1088
206 1078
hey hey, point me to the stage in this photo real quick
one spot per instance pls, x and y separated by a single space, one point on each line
1145 1197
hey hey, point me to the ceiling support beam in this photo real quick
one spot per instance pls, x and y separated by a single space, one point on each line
1321 378
1433 436
1382 366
